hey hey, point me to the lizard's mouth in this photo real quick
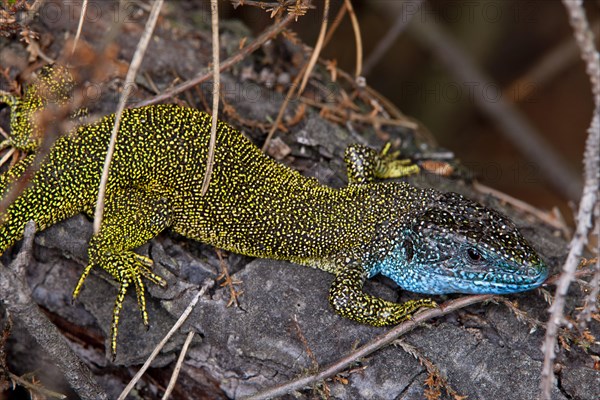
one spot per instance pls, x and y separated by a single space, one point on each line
475 282
503 282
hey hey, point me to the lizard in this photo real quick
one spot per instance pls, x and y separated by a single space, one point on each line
426 241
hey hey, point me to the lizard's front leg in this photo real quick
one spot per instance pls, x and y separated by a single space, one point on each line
365 165
131 218
348 299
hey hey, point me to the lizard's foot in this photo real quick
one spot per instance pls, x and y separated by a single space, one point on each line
371 310
131 218
348 299
365 165
391 166
393 313
127 268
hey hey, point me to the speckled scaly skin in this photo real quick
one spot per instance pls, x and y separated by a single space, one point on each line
426 241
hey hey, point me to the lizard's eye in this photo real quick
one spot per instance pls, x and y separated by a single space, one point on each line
474 255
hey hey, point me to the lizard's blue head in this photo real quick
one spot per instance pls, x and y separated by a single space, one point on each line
458 246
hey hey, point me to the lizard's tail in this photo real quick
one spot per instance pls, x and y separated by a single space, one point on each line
7 235
11 176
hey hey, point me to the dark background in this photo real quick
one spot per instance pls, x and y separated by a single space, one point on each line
508 41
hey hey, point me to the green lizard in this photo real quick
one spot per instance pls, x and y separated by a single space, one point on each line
426 241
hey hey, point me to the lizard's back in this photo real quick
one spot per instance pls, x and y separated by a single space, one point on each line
254 205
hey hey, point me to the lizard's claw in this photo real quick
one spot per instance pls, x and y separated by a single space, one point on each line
127 268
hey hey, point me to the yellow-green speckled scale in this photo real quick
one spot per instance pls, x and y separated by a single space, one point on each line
254 205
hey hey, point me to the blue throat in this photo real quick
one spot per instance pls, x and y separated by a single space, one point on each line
451 273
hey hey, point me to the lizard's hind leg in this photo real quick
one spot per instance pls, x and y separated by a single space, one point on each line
131 218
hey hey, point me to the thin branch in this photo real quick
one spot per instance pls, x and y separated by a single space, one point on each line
35 388
129 82
591 300
585 222
375 344
84 6
231 61
345 115
382 341
16 295
214 12
164 341
8 155
292 90
317 50
263 5
335 24
177 369
357 37
589 198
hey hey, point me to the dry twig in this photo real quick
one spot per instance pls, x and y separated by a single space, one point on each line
16 294
35 388
335 24
544 216
177 369
84 6
267 35
128 86
317 50
375 344
288 97
435 381
214 13
164 341
357 37
588 205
